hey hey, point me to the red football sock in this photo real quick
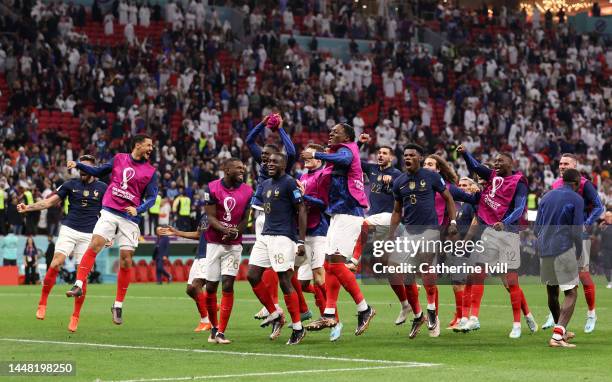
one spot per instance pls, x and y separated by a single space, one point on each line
412 294
227 303
78 301
347 280
87 262
332 288
319 291
515 295
211 306
263 294
308 289
200 301
524 306
437 302
293 306
48 284
361 240
400 290
270 278
123 282
477 292
467 301
298 288
589 289
458 303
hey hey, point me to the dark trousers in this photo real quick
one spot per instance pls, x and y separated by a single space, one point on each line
153 223
7 262
30 274
3 227
30 224
160 271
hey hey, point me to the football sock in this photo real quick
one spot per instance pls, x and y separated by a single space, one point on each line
200 301
78 301
412 294
298 289
48 284
263 294
270 279
211 306
87 262
589 289
227 303
123 282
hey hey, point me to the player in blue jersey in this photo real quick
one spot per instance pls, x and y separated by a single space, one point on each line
276 247
261 155
197 272
414 192
84 196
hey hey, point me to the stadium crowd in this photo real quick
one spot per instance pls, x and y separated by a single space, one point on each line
500 83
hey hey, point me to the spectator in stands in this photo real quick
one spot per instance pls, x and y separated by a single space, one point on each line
30 256
15 219
160 255
181 207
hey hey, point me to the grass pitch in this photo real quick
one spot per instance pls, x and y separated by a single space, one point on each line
157 342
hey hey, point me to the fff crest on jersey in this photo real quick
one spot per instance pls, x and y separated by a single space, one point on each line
276 193
423 184
96 193
412 185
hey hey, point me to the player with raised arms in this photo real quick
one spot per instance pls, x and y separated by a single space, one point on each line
593 209
131 192
85 202
347 201
501 212
260 155
276 246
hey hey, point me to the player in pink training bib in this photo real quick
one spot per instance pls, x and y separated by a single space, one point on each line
132 190
227 207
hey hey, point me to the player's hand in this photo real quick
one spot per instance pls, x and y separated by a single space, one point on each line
265 120
307 155
387 179
166 231
499 226
301 250
131 211
108 244
22 208
452 229
364 137
301 187
71 164
461 149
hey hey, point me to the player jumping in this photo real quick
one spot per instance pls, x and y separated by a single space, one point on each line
85 202
132 191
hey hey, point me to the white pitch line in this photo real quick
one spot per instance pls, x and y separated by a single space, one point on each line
262 374
275 355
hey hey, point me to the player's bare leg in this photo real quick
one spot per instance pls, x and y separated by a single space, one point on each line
87 262
196 292
48 283
561 315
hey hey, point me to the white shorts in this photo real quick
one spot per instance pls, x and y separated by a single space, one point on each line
314 258
407 257
560 270
259 223
114 227
222 260
277 252
197 270
380 224
71 241
500 247
343 233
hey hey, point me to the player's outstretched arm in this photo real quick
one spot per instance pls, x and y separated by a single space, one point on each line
171 231
302 225
38 206
520 202
452 211
592 198
473 164
252 137
343 157
577 223
289 147
462 196
150 194
98 171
